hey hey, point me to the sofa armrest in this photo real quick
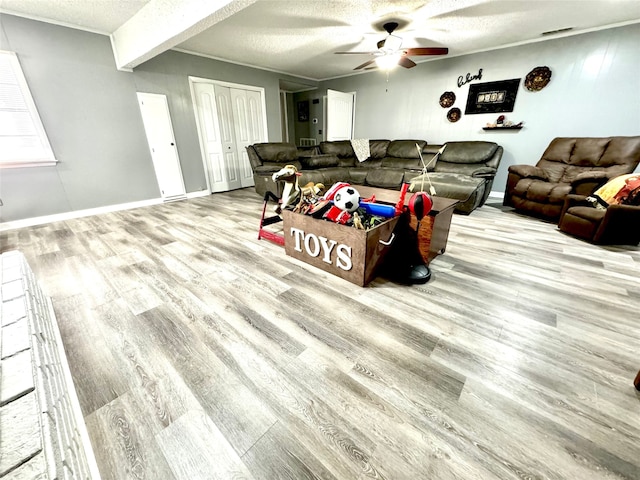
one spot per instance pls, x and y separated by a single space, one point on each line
588 182
528 171
254 159
620 225
484 172
322 160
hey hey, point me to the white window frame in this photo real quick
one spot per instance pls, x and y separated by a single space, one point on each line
13 150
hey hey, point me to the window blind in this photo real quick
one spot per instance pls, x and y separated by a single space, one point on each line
23 140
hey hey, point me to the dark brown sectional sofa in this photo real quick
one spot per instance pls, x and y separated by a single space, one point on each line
465 170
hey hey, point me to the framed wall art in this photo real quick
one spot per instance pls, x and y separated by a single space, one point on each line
303 111
492 97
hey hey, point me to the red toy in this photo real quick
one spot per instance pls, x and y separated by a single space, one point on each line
420 204
337 215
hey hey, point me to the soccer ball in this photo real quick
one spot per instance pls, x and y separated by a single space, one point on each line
347 198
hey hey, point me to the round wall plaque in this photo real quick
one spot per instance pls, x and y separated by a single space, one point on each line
454 115
537 79
447 99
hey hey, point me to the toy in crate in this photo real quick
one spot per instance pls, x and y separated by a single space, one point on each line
343 204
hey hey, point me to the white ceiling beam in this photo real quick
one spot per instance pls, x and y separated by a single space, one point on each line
162 24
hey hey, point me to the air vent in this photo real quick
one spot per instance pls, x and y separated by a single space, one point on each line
555 32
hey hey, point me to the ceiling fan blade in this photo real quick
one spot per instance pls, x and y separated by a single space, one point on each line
354 53
365 64
380 44
425 51
406 62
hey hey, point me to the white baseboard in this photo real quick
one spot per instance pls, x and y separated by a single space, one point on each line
496 195
58 217
201 193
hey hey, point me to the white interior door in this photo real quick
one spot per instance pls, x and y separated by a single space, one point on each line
209 133
230 148
162 144
247 120
340 115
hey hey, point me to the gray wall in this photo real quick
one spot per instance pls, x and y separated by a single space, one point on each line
594 91
169 73
91 115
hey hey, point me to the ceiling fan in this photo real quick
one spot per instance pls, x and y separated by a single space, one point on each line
390 53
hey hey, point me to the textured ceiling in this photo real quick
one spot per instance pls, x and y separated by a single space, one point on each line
300 37
102 16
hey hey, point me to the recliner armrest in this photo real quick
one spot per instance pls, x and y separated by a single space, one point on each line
254 158
588 182
590 175
484 172
529 171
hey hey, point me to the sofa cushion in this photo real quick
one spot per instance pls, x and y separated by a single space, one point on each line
588 151
385 178
571 172
276 152
339 148
410 175
453 185
369 164
319 161
347 162
332 175
468 190
468 152
553 169
402 163
358 175
588 213
405 148
462 168
621 151
541 191
430 149
378 148
559 150
313 176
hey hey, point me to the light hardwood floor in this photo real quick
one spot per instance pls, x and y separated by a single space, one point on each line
200 352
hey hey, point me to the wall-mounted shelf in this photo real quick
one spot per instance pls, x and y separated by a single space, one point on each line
515 127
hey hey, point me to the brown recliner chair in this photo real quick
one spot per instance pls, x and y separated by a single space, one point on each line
615 225
569 166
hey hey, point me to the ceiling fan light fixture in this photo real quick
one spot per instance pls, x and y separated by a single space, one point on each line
388 62
392 43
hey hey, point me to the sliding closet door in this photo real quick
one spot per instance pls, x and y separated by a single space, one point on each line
230 149
229 119
216 162
247 120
